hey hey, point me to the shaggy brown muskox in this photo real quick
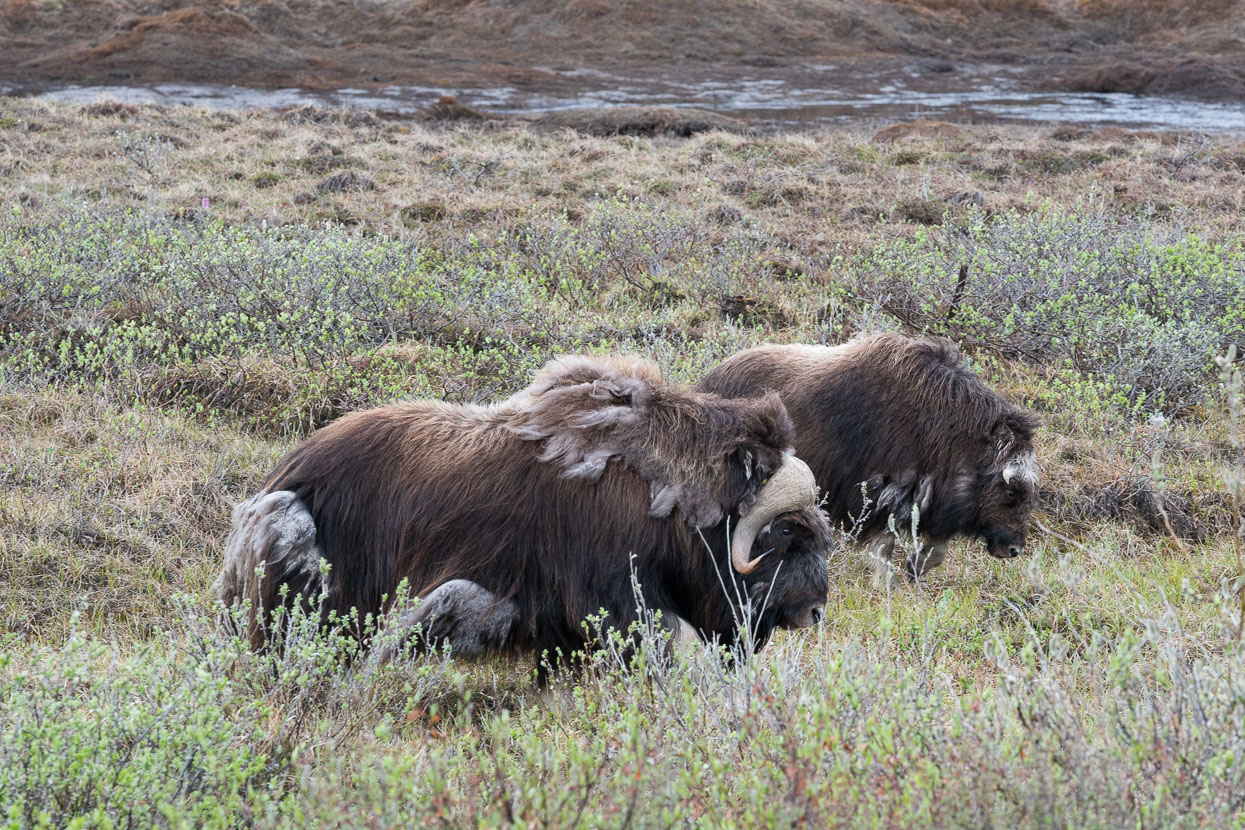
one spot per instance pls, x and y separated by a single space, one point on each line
514 522
891 425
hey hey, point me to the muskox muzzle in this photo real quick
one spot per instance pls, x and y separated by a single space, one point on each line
1004 546
811 616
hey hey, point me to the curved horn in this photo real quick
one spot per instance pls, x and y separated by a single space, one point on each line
791 487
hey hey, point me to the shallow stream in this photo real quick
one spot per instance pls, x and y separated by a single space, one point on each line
793 96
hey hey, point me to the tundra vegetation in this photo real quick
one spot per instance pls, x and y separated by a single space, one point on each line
185 294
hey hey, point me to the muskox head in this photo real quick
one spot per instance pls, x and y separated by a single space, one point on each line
778 548
1007 490
790 570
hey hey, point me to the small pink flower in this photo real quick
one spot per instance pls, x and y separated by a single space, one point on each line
205 203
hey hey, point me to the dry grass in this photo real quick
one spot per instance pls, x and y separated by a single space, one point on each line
814 190
107 510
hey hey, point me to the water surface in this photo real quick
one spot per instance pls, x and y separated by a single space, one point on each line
809 94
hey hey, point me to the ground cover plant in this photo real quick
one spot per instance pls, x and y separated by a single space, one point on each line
184 294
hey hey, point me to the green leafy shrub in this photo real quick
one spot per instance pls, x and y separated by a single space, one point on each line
289 327
1142 309
194 729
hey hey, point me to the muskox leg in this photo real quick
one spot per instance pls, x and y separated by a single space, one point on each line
929 556
684 639
272 543
684 635
471 619
879 551
883 551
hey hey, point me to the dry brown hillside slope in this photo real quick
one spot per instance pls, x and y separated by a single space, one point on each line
1180 46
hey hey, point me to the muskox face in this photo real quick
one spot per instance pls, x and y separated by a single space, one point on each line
1006 499
789 585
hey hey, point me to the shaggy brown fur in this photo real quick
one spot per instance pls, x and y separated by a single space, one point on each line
907 420
541 500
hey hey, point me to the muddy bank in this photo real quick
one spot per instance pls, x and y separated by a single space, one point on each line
1202 78
556 45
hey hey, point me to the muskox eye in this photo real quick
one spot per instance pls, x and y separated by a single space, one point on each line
786 531
1013 495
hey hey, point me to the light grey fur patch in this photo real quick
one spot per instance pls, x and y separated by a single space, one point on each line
924 494
274 531
899 497
663 499
607 416
467 616
698 509
1022 468
684 640
684 634
891 497
591 467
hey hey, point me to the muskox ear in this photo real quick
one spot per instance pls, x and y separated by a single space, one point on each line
762 422
1022 424
747 460
1012 434
1003 440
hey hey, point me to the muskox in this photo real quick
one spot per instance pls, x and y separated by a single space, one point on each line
514 522
897 430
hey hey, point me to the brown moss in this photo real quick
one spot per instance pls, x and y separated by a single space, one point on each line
1200 78
448 108
919 130
638 121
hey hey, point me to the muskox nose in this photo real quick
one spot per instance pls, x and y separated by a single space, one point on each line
816 615
1013 552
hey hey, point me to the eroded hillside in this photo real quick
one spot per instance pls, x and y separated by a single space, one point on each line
1161 46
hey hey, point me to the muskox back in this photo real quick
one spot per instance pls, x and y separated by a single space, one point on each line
533 506
892 424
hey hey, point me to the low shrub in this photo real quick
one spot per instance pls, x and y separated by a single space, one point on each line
1140 309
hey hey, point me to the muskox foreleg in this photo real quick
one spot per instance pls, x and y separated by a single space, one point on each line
470 619
885 551
929 555
904 501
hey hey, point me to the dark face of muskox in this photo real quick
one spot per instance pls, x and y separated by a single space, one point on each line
788 587
1005 501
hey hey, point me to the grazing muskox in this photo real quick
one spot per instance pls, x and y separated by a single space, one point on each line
514 522
894 427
